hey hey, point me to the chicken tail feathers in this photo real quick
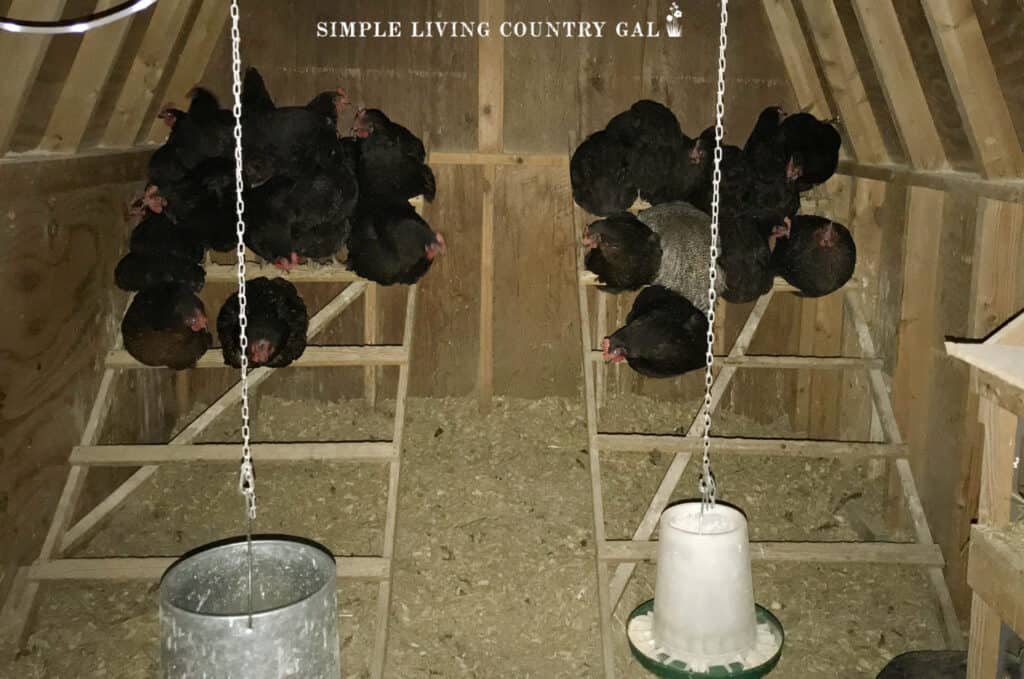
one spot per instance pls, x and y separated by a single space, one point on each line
429 185
255 96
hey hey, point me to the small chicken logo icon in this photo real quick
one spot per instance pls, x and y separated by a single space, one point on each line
674 21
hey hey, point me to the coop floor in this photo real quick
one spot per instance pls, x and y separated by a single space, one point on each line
495 574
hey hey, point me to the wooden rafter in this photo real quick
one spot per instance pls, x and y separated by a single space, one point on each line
844 81
127 118
900 83
22 55
195 55
976 88
796 56
84 83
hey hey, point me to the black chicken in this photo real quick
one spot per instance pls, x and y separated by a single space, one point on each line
817 256
288 140
392 161
599 172
665 335
392 244
799 147
276 327
160 252
165 325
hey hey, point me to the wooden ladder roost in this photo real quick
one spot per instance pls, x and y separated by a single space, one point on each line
63 535
617 559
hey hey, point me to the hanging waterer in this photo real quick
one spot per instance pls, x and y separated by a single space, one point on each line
252 608
702 622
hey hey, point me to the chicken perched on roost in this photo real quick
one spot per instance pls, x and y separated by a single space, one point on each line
165 325
392 244
277 322
392 162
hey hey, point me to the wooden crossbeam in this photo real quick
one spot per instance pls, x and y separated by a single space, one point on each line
154 52
895 70
1009 189
203 36
139 455
84 84
976 88
313 357
804 552
153 568
497 158
23 55
778 285
725 445
779 362
844 80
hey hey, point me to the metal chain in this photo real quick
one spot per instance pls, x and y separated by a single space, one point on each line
707 480
246 480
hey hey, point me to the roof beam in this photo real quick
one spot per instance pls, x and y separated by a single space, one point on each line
23 55
796 56
205 33
844 80
89 74
126 120
900 83
975 86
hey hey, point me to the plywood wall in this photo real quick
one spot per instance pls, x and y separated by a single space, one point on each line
63 228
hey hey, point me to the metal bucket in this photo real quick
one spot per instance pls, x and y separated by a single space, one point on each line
204 613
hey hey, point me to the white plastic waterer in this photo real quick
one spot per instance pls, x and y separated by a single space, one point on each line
704 594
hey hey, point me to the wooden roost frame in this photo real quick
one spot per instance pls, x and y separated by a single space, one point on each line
63 535
887 446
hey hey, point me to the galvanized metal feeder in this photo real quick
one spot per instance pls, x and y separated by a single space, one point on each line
209 628
253 608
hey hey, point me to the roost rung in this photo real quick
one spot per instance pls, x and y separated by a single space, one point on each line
313 357
750 446
784 362
153 568
134 456
619 551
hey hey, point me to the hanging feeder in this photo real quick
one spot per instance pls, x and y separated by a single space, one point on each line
703 621
206 629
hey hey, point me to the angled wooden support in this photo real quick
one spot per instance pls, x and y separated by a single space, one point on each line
976 88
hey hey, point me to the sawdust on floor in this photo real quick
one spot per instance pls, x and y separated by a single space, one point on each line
495 572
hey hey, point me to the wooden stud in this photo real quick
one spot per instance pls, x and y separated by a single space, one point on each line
919 333
895 69
23 55
998 243
796 56
127 118
485 367
844 80
976 88
986 629
491 80
84 84
203 36
370 332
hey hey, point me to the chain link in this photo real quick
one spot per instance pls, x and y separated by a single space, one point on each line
707 480
246 479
